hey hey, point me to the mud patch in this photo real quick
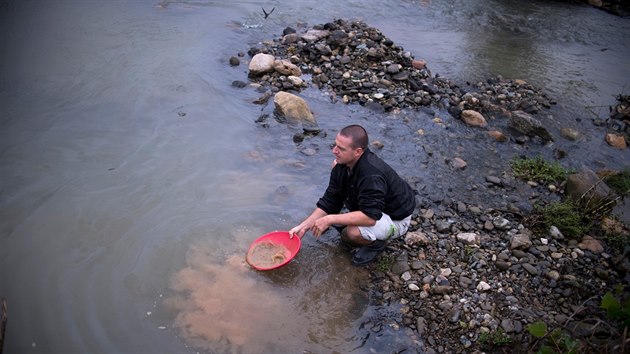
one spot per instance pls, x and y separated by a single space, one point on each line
267 255
222 307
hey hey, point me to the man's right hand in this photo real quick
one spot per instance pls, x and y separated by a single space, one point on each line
296 231
308 224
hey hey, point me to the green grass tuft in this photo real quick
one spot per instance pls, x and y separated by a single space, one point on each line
496 338
538 170
563 215
385 263
619 182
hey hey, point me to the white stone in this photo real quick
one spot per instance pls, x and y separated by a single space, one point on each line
469 238
296 81
483 286
315 35
555 233
261 63
414 287
501 223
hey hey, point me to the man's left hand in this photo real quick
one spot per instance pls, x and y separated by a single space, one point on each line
320 226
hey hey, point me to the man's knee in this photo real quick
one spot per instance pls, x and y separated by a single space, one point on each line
352 234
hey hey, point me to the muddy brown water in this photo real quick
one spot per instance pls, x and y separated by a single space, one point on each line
267 255
133 176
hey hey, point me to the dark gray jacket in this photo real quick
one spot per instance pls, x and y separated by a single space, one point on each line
372 187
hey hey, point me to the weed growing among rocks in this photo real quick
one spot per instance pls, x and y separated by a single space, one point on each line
538 169
563 215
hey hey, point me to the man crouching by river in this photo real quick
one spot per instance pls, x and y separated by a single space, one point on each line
379 201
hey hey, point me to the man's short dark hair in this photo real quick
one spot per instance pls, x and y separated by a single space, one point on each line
357 135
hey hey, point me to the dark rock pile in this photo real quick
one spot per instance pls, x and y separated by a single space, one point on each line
620 114
358 64
497 97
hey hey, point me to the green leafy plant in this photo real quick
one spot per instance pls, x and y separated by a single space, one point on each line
384 263
496 338
537 329
616 307
468 251
556 341
538 169
619 182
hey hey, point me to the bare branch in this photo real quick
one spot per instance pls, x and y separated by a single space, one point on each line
267 13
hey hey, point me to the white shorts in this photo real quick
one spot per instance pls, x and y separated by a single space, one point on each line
385 228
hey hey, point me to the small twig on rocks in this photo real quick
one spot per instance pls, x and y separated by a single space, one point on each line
599 321
624 340
598 209
513 212
267 13
578 310
590 109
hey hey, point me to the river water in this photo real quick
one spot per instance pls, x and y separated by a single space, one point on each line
133 176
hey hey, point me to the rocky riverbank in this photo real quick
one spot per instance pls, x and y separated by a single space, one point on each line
470 278
467 277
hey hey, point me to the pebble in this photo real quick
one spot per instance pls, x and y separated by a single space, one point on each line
465 342
530 269
494 180
553 274
483 286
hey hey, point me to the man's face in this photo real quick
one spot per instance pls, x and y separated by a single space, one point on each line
344 153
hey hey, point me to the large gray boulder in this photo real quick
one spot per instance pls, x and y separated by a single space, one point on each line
586 188
528 125
292 107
